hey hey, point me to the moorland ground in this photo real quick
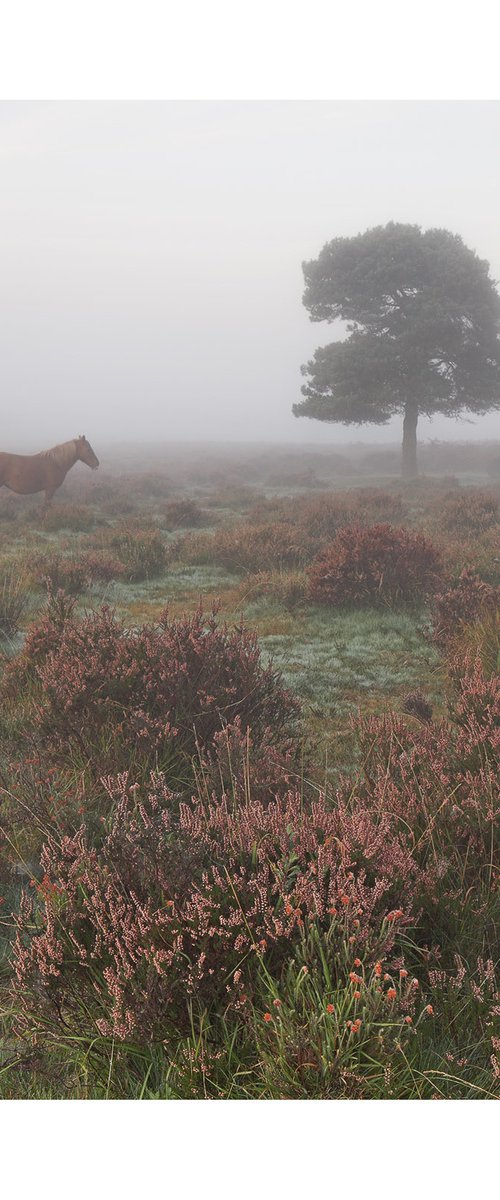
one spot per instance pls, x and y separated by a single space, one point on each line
248 764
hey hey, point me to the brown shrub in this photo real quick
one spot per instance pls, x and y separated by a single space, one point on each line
464 603
372 565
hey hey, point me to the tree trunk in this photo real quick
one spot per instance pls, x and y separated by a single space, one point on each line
410 441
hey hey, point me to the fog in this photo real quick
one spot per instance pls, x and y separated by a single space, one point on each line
151 255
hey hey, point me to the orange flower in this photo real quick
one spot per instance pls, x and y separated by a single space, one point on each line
332 912
357 962
344 899
429 1009
267 1018
357 995
330 1008
408 1021
353 977
403 974
357 1026
378 969
393 916
391 994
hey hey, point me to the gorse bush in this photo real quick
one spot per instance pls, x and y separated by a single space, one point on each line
376 564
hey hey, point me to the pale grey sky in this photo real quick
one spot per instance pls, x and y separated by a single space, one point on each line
151 254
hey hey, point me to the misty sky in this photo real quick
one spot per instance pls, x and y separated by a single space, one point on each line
151 254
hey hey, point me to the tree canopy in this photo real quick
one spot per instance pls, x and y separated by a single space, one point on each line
423 321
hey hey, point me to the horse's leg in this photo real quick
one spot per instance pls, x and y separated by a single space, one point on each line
49 492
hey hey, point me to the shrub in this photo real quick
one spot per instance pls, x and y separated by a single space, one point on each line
169 908
248 547
184 514
466 511
438 780
143 552
154 692
74 573
69 516
324 516
288 587
464 603
374 565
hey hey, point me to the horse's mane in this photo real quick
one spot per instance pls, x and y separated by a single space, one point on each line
61 454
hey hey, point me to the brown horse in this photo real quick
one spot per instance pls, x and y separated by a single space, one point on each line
46 471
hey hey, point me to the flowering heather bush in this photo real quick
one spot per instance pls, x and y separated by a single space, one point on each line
465 511
169 908
208 900
161 689
74 573
374 565
440 781
464 603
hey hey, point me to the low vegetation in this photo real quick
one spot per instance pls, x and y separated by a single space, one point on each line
249 787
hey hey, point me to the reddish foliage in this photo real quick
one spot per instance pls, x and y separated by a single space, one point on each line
374 564
178 682
465 511
170 907
179 896
325 515
462 604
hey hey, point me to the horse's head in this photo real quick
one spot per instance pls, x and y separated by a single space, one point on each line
86 453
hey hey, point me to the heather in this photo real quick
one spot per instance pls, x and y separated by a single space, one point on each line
249 780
